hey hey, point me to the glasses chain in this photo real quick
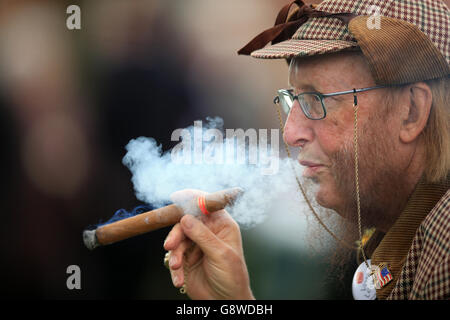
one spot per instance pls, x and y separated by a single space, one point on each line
358 203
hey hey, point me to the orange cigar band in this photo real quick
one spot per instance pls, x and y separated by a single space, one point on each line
202 205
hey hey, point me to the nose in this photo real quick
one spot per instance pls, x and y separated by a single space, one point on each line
298 128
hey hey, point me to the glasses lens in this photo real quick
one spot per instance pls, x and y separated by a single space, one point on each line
286 100
311 105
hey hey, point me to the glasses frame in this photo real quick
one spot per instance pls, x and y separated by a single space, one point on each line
321 97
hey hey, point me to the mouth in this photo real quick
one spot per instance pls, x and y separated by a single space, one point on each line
311 169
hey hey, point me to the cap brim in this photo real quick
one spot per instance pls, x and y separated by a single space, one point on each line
298 48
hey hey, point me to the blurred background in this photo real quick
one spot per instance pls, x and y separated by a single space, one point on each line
70 100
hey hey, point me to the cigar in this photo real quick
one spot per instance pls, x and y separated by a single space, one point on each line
159 218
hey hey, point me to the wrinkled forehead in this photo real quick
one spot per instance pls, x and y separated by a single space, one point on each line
341 69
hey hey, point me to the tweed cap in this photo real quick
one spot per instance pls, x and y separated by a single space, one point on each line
411 41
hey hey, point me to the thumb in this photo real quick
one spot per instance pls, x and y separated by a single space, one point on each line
198 232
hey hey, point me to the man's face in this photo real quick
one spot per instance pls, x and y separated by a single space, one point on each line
326 146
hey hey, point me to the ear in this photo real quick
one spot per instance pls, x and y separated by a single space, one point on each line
416 110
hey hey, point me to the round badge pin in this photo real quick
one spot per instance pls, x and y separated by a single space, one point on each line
363 287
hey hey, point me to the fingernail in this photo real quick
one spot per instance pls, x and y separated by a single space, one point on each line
175 281
172 261
165 241
187 222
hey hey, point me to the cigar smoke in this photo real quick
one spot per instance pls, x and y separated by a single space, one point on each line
156 175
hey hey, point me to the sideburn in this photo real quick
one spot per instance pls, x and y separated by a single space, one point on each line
380 182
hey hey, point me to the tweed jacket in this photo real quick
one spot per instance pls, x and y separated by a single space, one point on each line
417 247
426 272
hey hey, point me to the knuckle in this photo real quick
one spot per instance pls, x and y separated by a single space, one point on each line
177 251
227 253
229 222
234 226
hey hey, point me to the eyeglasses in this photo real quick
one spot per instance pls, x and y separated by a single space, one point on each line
312 103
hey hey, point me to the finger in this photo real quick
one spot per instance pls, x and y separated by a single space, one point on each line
225 227
208 242
177 277
174 238
177 255
192 256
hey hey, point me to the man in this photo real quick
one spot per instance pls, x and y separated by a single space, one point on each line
368 108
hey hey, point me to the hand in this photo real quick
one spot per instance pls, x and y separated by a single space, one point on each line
206 254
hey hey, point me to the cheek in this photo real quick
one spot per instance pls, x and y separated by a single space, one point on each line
334 132
332 136
337 129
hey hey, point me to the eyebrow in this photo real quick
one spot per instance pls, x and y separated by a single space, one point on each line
304 87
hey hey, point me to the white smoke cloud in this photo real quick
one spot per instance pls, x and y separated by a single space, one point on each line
155 176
